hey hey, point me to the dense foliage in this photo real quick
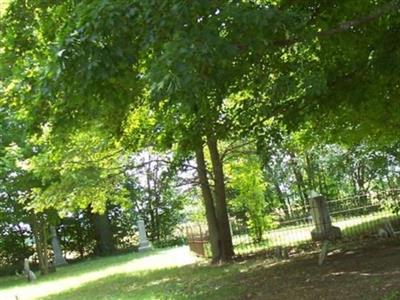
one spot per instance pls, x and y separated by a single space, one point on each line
251 104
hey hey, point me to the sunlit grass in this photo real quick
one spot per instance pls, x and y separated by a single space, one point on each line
186 282
82 274
162 274
170 274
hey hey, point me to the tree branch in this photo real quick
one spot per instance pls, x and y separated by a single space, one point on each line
232 148
390 7
347 25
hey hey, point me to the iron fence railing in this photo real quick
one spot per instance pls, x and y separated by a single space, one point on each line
359 216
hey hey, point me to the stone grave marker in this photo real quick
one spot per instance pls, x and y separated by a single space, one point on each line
324 231
59 259
144 243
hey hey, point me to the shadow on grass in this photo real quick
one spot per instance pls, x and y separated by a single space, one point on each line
361 274
187 282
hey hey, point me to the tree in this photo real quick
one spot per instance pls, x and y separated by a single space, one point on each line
206 72
155 198
249 194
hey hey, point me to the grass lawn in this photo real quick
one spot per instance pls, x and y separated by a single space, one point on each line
85 273
176 274
367 273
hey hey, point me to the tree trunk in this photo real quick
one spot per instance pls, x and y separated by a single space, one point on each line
220 201
80 238
268 171
157 222
103 234
157 202
152 230
322 188
209 206
39 230
299 182
310 171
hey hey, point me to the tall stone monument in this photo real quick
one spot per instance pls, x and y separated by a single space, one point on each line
59 259
144 243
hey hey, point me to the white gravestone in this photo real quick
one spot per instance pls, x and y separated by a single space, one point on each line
144 243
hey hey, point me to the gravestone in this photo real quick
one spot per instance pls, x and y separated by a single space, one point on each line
59 259
324 231
30 276
144 243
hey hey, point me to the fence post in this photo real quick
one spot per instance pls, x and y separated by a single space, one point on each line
323 231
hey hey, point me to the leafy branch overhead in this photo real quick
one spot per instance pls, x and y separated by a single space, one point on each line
222 93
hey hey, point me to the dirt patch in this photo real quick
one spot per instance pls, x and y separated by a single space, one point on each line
371 272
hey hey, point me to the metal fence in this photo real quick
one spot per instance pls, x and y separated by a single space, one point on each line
373 214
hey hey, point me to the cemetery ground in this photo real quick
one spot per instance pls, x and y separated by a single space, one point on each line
368 271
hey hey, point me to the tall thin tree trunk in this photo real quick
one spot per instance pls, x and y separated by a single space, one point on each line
268 171
299 181
310 171
209 205
39 230
320 176
152 222
220 201
157 216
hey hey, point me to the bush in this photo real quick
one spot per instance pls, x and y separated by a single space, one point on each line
172 242
14 247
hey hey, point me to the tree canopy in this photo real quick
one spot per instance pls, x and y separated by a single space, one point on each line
84 84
